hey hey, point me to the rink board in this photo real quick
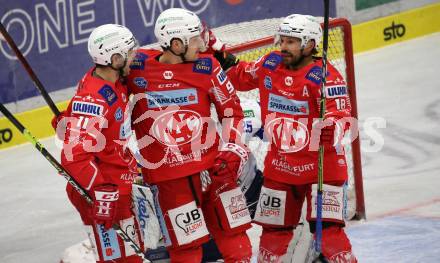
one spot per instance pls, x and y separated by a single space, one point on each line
36 121
396 28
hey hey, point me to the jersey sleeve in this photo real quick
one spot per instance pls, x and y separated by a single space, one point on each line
244 75
227 104
85 120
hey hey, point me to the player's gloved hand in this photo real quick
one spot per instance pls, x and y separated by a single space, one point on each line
226 59
230 161
59 124
212 43
323 133
224 193
328 135
57 119
105 199
214 46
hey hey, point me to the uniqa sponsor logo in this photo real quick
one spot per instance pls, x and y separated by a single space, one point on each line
336 91
87 108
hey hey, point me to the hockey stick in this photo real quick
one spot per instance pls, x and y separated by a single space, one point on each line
29 70
321 116
124 236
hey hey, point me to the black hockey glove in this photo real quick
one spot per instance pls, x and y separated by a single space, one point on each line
226 59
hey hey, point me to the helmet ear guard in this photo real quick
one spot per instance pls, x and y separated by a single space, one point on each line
110 39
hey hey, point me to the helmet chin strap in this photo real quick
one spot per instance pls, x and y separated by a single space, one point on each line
181 55
120 70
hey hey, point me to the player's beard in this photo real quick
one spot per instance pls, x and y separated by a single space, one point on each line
291 61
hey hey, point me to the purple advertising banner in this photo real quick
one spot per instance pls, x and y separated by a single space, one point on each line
52 34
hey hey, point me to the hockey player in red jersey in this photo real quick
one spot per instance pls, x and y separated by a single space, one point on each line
94 150
193 168
289 83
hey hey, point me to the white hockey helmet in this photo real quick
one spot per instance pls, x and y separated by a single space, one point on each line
304 27
176 23
110 39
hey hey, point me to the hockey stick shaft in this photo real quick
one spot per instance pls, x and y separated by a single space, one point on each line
321 116
45 153
124 236
29 70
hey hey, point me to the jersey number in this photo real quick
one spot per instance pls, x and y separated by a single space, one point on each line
340 104
82 122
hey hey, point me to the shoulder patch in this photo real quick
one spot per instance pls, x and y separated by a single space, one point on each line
108 94
140 82
272 61
315 75
203 65
139 61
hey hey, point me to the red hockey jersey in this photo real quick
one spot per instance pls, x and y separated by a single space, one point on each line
94 150
289 104
172 117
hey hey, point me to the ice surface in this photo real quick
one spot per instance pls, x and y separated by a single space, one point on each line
398 83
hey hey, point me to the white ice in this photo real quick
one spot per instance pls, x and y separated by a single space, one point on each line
398 83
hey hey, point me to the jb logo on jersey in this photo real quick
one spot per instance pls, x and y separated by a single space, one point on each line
271 206
188 223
